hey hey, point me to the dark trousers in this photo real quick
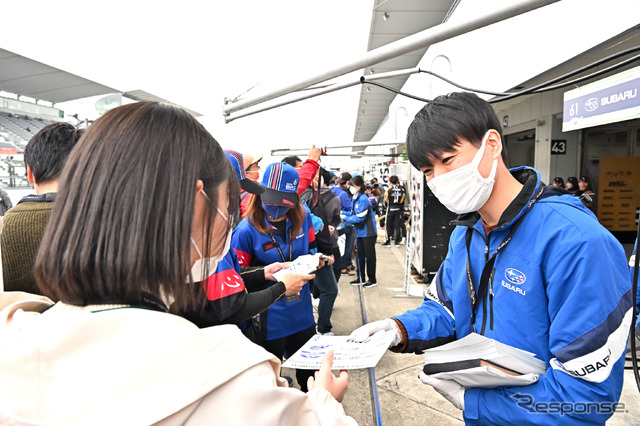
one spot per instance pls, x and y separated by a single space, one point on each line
367 257
337 265
291 344
394 223
325 283
350 234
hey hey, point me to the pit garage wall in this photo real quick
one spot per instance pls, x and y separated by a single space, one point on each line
543 114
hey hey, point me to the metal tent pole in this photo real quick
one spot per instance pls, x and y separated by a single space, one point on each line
413 42
322 90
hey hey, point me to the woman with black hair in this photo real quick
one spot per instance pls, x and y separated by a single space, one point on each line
586 193
364 222
572 185
110 352
558 181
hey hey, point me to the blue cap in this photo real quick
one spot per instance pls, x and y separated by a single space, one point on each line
281 185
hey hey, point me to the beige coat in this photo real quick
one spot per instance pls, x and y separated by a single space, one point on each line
113 365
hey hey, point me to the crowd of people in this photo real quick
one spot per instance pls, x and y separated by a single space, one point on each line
581 188
110 258
152 282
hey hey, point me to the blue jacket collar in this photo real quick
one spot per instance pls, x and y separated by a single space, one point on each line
530 179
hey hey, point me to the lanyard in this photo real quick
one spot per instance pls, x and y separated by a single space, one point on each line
275 243
488 271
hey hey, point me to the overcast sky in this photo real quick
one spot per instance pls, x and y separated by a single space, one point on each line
196 53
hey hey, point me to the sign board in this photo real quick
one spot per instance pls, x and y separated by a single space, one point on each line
416 205
610 100
558 146
619 193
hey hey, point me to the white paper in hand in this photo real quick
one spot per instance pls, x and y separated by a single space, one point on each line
347 355
305 264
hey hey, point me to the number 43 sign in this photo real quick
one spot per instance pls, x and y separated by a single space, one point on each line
558 146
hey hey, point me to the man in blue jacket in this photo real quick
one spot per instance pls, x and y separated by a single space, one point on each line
506 276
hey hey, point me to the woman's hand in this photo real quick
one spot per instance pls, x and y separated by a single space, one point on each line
324 378
294 282
269 270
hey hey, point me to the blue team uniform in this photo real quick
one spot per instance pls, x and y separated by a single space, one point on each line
286 316
362 213
559 289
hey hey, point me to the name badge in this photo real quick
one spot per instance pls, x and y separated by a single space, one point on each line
293 298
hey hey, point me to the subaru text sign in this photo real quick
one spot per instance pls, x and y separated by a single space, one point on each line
612 99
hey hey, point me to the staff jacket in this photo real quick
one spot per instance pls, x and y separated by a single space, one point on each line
362 213
559 289
286 316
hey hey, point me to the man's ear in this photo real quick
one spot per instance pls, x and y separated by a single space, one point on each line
30 177
494 144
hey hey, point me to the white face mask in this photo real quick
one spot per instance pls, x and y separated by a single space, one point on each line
352 190
204 267
464 190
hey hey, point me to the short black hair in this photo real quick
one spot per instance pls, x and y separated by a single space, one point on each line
358 181
325 175
394 179
48 150
442 123
292 160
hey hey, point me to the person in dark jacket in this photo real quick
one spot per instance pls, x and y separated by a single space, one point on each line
325 285
394 221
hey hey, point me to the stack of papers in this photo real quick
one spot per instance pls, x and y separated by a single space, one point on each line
478 361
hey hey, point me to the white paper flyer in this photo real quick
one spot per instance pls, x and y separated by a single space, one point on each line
347 355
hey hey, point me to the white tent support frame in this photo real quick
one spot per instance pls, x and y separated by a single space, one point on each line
312 92
408 44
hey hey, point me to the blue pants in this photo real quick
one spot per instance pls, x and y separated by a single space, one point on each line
349 232
325 283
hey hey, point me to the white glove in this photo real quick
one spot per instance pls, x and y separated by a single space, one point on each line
363 333
451 390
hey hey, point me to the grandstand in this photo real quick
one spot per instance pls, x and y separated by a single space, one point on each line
17 129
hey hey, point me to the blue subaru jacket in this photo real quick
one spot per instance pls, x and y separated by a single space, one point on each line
559 289
362 212
283 318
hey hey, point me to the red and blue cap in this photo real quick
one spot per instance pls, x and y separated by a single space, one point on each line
237 162
281 185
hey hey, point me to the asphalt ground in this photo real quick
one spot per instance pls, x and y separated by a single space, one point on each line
403 398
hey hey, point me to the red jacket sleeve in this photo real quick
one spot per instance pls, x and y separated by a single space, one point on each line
307 172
